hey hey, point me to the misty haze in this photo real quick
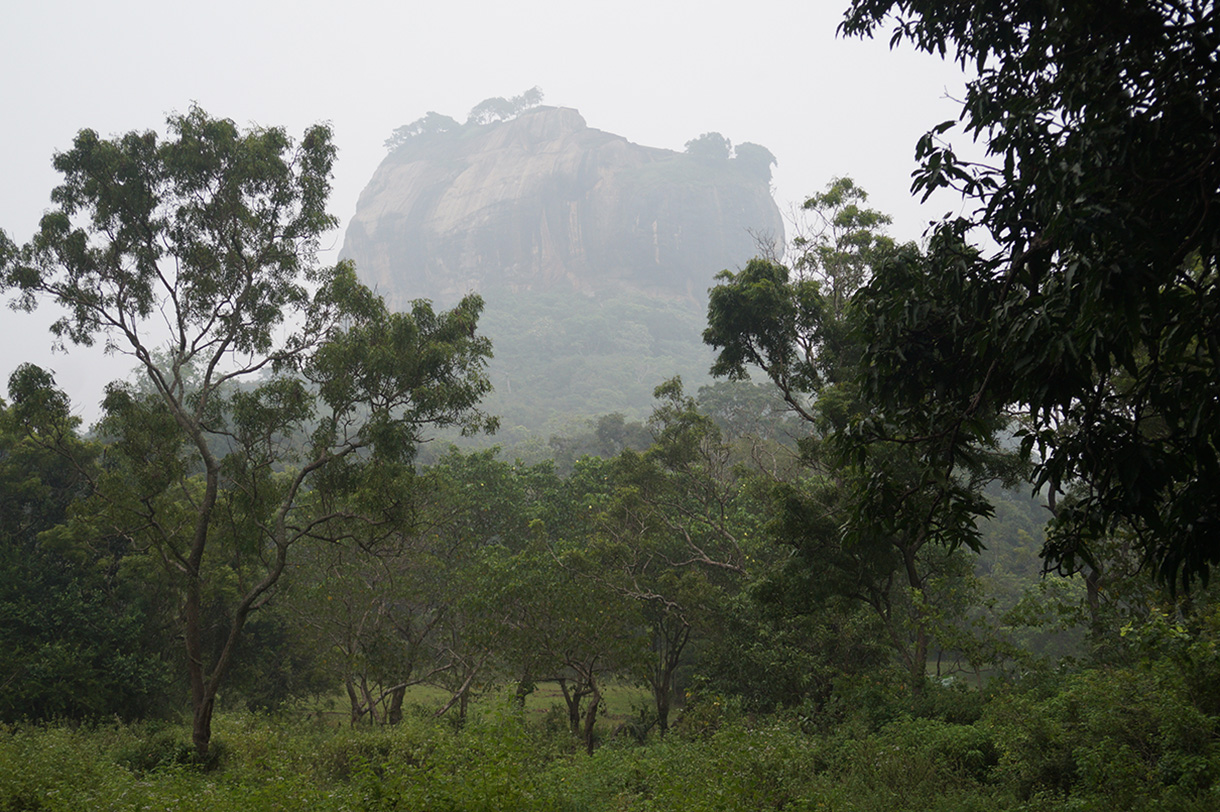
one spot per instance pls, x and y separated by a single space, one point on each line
777 406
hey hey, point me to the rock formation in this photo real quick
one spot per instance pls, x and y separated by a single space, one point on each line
542 201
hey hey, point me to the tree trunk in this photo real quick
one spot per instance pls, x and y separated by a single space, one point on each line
669 655
201 728
201 706
525 687
663 702
354 700
394 714
591 718
370 704
572 700
1092 583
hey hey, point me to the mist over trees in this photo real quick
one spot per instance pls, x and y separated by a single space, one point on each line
937 532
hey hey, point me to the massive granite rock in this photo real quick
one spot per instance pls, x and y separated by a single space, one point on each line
543 201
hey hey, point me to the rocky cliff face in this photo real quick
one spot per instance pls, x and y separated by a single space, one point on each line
544 202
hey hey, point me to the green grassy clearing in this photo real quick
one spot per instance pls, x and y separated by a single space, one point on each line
1103 739
620 703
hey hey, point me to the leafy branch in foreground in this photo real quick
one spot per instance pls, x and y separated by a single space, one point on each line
1097 314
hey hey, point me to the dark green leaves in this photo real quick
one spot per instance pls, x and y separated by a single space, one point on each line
1096 316
757 318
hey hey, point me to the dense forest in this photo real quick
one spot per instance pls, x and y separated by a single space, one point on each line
937 534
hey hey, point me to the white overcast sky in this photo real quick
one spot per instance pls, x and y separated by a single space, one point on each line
658 72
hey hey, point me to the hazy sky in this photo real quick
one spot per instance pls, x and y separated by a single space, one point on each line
658 72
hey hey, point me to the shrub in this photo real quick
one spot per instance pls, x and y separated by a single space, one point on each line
1123 736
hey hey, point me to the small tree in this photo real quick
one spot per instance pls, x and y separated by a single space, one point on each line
710 147
195 256
432 124
676 538
74 645
498 108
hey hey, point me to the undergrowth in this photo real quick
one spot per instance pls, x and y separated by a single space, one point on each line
1103 739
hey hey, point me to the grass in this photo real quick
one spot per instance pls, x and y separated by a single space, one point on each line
1101 739
494 763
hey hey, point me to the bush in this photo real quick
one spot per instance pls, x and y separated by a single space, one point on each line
1124 736
872 701
370 751
159 750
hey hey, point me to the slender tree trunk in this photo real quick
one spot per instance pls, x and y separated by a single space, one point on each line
668 658
1092 583
462 696
201 727
201 707
525 687
203 684
353 699
591 717
369 702
572 699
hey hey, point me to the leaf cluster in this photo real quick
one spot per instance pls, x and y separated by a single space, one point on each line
1096 316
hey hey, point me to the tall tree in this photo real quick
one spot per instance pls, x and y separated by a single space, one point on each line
801 329
195 255
679 537
1097 313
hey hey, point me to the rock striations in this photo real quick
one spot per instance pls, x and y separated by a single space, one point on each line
544 202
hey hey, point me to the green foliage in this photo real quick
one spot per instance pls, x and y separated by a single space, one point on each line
72 650
490 111
844 238
1096 314
431 124
214 232
160 749
710 147
867 522
1122 736
78 642
757 318
680 537
566 358
1103 739
748 412
607 436
276 663
772 657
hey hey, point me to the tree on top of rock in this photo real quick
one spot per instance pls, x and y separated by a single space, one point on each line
498 108
432 123
710 147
